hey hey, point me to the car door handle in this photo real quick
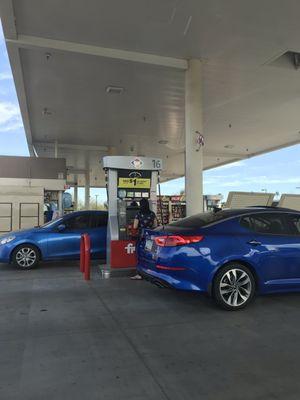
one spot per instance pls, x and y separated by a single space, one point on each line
254 243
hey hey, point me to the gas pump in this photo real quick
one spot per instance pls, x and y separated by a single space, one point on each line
128 180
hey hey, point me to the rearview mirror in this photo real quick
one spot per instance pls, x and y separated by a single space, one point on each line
61 227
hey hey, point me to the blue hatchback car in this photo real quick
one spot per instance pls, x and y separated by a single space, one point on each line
59 239
230 254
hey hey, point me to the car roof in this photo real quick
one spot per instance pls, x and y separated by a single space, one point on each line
231 213
74 213
205 220
251 209
274 208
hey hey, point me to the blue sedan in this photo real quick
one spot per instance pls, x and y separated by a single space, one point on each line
59 239
230 254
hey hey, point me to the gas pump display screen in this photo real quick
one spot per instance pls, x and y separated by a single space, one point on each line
135 183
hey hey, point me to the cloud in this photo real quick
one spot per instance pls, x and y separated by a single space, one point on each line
218 179
232 165
10 118
260 180
5 76
3 91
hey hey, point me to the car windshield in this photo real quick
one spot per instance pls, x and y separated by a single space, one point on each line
203 219
51 223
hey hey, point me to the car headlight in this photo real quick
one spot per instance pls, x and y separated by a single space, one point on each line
7 239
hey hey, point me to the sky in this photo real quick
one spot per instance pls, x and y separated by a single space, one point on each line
12 136
277 171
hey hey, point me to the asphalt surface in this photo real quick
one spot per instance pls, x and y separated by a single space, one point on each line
64 338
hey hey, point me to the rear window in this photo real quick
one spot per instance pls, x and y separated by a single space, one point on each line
203 219
99 220
293 221
268 223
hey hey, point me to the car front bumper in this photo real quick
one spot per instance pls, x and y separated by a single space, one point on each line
5 252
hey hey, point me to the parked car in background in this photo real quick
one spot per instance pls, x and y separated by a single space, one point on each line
58 239
231 254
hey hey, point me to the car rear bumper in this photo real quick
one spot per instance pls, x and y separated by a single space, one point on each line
155 280
175 279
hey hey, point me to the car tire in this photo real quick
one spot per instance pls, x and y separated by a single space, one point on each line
234 287
26 256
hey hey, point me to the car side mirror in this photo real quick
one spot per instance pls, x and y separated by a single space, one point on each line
61 227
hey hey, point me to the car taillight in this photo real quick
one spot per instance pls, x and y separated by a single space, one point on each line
176 240
160 240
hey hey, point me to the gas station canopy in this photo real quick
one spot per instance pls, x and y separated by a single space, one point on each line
108 77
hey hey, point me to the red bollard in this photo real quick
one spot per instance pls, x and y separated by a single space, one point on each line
82 253
87 257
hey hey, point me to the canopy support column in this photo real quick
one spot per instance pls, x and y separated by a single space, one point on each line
60 203
87 183
75 194
193 138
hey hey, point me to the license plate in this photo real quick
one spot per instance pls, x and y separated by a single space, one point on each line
148 244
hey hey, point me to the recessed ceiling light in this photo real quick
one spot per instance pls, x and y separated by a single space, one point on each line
229 146
114 89
163 141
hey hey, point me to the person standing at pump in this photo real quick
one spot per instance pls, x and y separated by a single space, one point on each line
144 219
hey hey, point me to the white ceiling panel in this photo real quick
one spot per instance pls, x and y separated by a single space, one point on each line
231 30
72 88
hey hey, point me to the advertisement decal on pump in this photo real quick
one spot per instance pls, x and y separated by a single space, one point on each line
130 248
123 254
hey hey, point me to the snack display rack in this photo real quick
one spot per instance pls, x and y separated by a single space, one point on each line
173 208
163 217
178 207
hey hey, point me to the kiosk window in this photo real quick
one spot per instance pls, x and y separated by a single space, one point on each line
78 222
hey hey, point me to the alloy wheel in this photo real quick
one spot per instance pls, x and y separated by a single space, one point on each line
235 287
26 257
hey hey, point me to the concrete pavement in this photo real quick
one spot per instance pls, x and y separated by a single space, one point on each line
63 338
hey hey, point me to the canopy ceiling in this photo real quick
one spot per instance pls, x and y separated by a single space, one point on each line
64 55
